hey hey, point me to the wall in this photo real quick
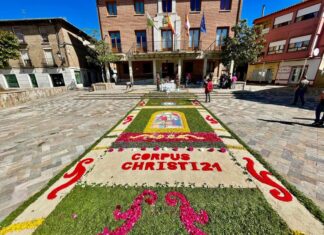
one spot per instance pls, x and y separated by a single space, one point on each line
319 81
285 70
260 70
127 21
12 98
295 29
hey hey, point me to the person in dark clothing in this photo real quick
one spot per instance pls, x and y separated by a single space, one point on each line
300 91
158 81
319 109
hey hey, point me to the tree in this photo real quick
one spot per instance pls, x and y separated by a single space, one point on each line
9 47
245 47
100 54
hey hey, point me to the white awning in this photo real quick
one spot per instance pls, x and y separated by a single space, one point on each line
308 10
301 39
284 18
277 43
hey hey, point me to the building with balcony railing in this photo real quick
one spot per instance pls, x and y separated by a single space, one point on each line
52 53
148 50
294 45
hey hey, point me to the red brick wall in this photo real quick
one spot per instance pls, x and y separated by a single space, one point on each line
295 29
127 22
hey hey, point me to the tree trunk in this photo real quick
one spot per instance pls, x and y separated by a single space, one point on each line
103 73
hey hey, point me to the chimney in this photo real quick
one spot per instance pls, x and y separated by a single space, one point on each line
263 9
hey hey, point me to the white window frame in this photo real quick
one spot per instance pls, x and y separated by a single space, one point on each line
50 63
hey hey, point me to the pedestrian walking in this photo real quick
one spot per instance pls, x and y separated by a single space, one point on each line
234 80
158 81
208 89
319 109
301 90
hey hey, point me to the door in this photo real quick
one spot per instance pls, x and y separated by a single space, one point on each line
194 35
167 70
57 79
11 80
141 43
167 40
33 80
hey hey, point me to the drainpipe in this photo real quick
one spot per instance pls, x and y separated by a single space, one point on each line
317 34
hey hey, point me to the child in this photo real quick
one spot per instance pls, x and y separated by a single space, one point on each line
208 89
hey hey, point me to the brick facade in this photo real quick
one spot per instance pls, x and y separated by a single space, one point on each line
66 44
127 22
289 61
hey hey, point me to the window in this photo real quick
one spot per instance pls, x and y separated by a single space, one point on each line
167 40
44 35
167 5
299 44
25 58
115 41
49 60
33 80
283 20
11 80
20 35
112 8
225 5
78 77
296 73
276 47
194 35
195 5
141 42
221 34
139 6
308 13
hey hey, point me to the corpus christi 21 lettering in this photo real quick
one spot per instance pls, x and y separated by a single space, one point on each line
167 161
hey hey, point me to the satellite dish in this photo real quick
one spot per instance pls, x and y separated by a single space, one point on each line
316 52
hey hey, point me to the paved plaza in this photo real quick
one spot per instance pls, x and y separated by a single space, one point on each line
282 134
38 139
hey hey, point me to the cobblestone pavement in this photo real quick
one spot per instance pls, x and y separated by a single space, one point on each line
38 139
282 134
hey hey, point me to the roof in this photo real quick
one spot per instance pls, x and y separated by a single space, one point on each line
46 20
282 10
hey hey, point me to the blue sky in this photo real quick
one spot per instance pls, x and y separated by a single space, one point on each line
83 13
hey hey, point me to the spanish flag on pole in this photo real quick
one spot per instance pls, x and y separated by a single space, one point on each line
187 24
170 25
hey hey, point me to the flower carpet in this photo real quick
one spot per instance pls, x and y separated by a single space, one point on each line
168 167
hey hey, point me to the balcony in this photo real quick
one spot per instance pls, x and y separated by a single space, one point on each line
26 64
48 63
166 46
265 31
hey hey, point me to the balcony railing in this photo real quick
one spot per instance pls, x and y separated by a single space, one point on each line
166 46
48 63
26 64
265 31
214 47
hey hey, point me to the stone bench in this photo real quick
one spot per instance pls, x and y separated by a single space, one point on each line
103 86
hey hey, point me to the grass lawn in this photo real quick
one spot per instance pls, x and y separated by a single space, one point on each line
230 211
195 121
158 102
